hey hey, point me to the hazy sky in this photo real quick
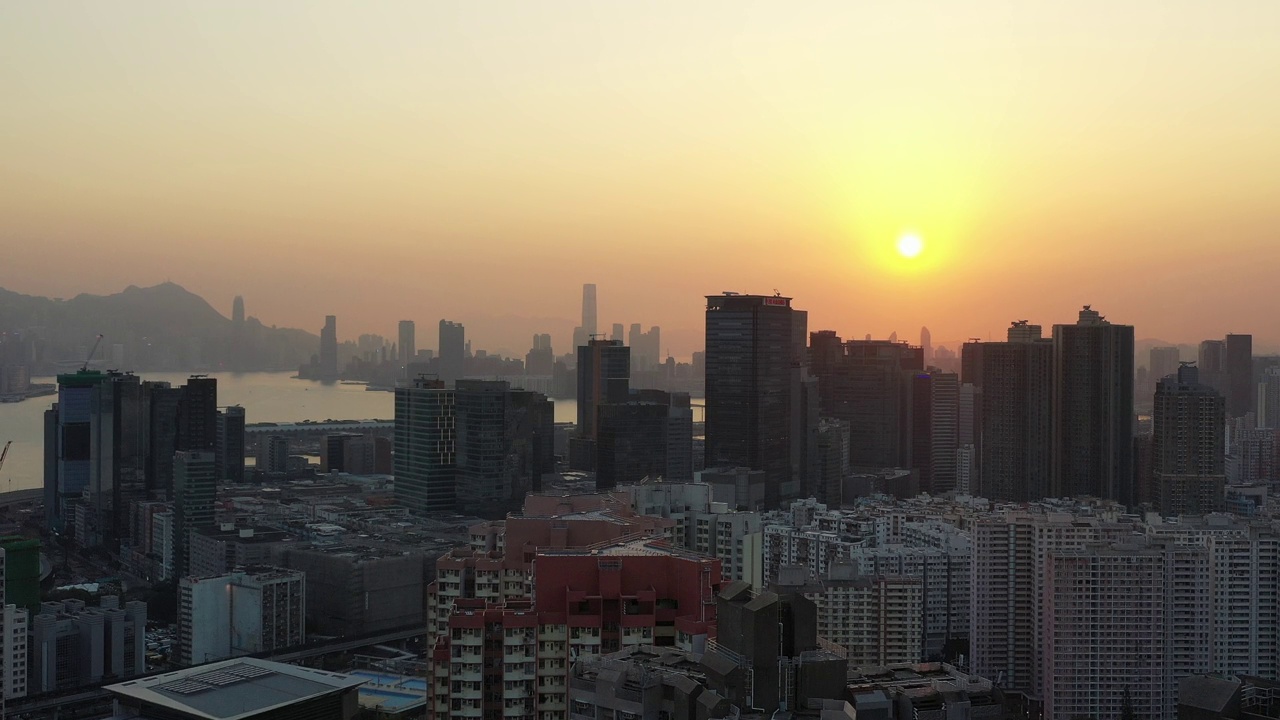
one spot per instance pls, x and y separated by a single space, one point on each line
480 160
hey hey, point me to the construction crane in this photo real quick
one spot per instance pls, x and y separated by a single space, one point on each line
96 343
5 453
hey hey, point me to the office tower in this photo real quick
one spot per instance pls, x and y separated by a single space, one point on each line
453 352
869 387
1093 409
21 575
645 347
1269 399
67 445
1163 362
647 434
334 452
117 457
750 347
971 363
503 442
237 309
193 490
1016 421
540 361
1212 363
162 402
249 610
329 348
926 344
273 454
1188 444
1239 369
589 310
619 333
604 375
424 447
230 444
407 348
198 414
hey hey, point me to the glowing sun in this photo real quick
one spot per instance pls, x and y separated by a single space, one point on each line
910 245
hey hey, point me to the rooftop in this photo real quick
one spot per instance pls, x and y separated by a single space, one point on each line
233 689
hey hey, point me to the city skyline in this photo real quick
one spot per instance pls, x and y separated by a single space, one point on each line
1114 156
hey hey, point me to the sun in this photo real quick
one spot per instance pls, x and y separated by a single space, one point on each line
910 245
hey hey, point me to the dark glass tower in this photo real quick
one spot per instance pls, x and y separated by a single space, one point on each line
1016 422
751 349
424 447
1093 409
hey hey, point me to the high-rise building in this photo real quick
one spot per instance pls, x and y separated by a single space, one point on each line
1240 391
926 344
329 348
117 474
1015 441
604 375
869 385
194 488
646 434
230 444
1212 363
273 454
619 333
750 352
424 447
13 641
944 419
198 414
407 348
249 610
1163 362
162 402
646 347
1188 444
67 442
237 309
541 359
1093 416
453 352
503 441
1269 399
71 645
589 310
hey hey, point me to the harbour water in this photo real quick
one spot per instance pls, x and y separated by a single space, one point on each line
266 397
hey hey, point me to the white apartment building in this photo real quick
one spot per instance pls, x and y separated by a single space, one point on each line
243 612
13 644
707 527
1123 623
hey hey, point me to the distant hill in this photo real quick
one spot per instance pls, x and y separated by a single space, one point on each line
164 327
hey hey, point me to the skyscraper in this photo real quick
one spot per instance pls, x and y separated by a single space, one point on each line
407 347
198 414
1212 364
329 348
1015 419
425 446
1239 368
237 310
751 349
193 491
619 333
604 372
503 441
926 344
868 385
1163 362
1188 444
1093 409
67 443
230 444
117 455
453 351
589 309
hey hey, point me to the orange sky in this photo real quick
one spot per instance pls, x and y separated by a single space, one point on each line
480 160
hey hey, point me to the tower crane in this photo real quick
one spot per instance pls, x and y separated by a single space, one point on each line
4 453
96 343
